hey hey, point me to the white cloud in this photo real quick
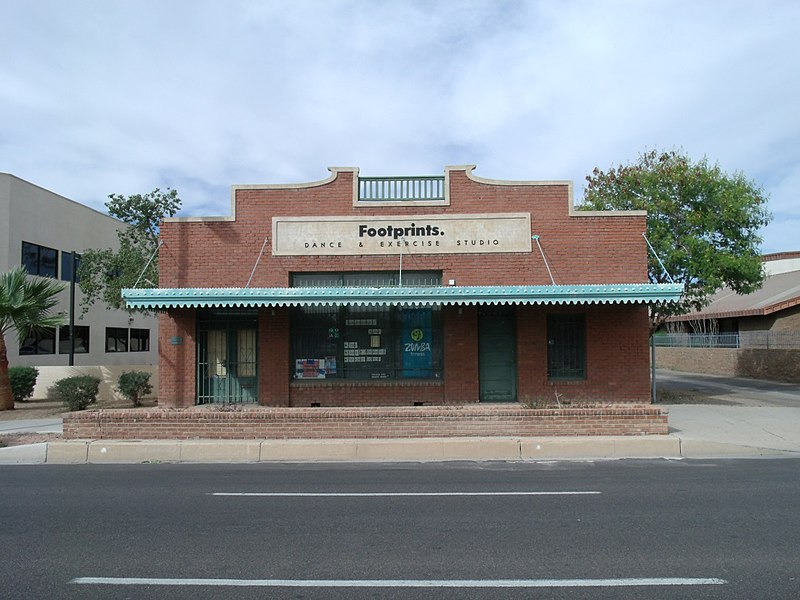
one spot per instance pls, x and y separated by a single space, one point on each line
102 97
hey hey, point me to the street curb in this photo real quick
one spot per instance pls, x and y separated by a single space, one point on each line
513 449
30 454
362 450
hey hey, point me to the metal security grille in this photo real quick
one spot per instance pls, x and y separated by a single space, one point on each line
227 351
566 347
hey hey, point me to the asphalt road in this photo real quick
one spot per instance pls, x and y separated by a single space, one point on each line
625 529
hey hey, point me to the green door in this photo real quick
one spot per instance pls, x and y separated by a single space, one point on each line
226 360
497 355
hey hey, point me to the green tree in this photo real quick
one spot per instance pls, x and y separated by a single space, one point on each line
703 223
25 305
104 272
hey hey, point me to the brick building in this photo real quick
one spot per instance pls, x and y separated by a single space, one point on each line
358 291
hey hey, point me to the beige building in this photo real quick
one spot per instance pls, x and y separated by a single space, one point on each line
768 313
40 230
752 335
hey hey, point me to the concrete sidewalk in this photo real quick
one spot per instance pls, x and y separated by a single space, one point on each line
696 431
53 425
711 430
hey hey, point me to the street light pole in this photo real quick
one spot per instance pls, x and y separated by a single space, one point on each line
72 310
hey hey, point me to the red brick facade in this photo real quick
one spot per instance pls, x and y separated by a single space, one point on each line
591 248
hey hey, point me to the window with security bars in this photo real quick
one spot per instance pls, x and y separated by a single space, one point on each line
366 342
566 346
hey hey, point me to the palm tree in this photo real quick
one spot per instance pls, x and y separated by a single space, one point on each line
25 304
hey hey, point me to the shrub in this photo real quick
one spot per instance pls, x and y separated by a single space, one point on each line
76 393
23 380
134 385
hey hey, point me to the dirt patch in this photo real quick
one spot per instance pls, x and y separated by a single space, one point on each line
45 409
39 409
689 396
22 439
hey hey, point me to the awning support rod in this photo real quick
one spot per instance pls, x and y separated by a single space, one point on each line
152 256
663 268
255 266
536 239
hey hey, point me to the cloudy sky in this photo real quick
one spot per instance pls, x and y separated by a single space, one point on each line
107 96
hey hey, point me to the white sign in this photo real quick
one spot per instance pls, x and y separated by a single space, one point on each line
429 234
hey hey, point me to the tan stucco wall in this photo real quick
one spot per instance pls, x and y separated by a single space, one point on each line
108 379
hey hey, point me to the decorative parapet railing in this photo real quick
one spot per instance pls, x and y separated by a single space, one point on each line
399 189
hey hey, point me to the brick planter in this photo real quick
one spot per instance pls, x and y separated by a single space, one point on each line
253 422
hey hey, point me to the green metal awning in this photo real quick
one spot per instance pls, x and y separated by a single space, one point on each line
627 293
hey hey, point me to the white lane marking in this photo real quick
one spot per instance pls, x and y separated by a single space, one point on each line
393 494
403 583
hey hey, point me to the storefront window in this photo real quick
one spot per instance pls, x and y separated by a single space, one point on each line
366 342
316 343
417 342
